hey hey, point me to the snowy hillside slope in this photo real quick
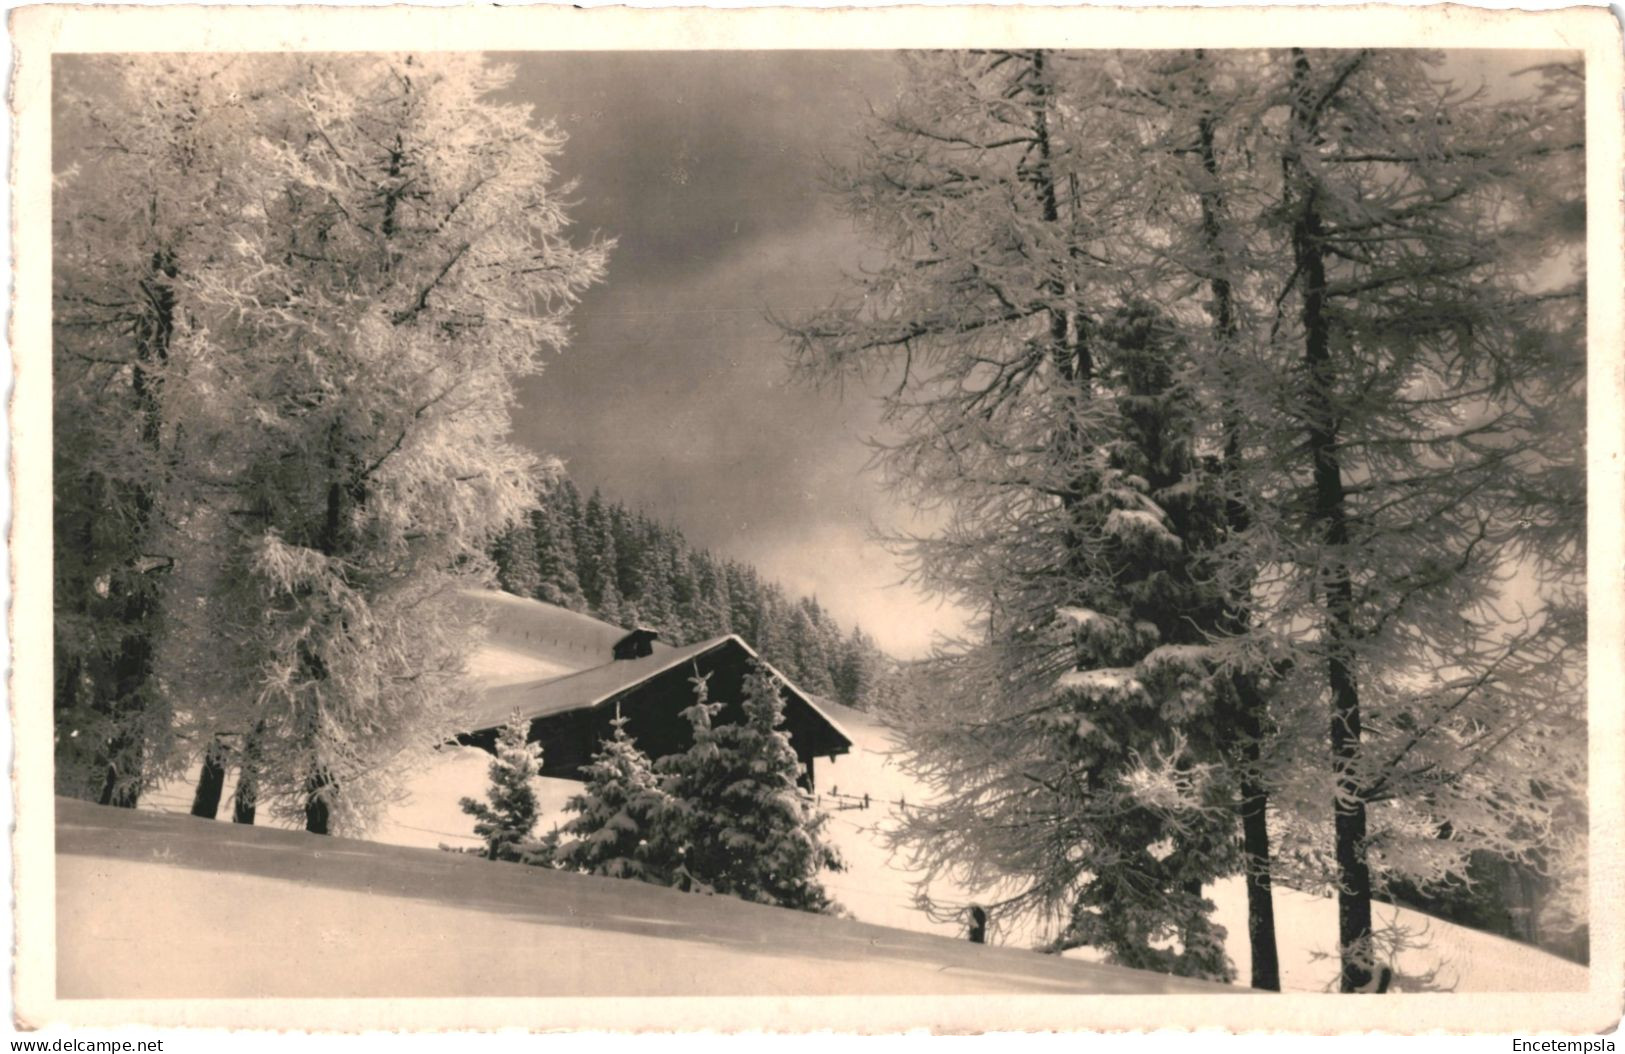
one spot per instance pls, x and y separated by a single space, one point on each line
874 888
236 912
878 888
1447 957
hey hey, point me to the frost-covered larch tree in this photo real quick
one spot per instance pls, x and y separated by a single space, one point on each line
1427 342
612 831
1006 202
1370 271
735 821
1193 235
386 255
419 242
151 179
506 820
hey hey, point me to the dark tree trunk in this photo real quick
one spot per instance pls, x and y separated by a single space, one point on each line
122 779
318 814
1354 875
66 695
1069 350
1252 704
120 788
1526 918
246 801
1330 514
342 500
1068 346
1255 843
132 667
1255 837
210 783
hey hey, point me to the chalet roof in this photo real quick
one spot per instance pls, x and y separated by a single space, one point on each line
596 686
547 638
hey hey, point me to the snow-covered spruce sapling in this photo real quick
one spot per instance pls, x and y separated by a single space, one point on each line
735 819
1140 712
614 815
507 818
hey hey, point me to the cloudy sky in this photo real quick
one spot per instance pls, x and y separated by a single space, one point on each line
674 396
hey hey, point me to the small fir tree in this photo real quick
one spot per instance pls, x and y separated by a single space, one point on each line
614 815
508 819
736 820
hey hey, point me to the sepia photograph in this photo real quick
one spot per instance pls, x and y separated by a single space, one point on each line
933 525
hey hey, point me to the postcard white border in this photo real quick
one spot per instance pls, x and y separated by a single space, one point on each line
40 32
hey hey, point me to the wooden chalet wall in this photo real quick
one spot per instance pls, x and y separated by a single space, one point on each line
654 712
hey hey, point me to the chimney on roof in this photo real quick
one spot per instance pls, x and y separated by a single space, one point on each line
637 644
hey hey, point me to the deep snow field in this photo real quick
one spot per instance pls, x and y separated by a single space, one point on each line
877 889
154 907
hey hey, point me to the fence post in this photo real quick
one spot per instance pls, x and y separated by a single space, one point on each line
978 924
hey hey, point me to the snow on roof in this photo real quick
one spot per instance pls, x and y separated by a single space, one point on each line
562 639
582 689
493 665
541 659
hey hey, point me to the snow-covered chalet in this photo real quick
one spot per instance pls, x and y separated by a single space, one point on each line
567 673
